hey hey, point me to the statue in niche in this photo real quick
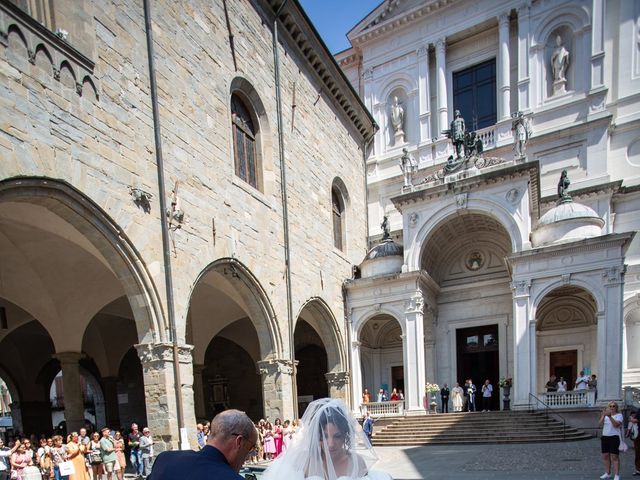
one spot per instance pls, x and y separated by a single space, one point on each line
409 166
397 120
559 65
563 186
521 127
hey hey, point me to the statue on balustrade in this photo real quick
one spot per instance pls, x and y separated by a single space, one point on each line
409 167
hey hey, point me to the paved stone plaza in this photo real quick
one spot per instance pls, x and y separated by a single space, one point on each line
574 460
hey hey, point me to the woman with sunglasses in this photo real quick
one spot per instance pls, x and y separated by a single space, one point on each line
611 421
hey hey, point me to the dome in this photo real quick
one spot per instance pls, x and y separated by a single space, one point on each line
383 259
567 222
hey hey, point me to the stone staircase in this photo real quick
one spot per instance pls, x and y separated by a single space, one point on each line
479 427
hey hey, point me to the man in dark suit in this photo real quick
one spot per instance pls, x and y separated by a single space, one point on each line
231 438
444 397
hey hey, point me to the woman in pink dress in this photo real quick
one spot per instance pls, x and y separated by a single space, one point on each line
20 459
120 458
269 443
277 436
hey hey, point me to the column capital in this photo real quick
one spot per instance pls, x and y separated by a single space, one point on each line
520 288
503 19
415 304
150 353
356 344
69 358
368 74
614 275
277 365
422 50
337 379
441 45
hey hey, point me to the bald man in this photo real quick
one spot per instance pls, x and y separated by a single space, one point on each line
232 437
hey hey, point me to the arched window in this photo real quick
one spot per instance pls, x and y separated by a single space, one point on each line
244 141
337 214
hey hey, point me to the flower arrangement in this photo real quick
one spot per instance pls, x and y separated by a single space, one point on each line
432 388
505 382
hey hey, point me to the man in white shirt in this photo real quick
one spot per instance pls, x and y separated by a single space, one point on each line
583 381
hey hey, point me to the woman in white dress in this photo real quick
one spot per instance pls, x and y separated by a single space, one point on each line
562 385
456 396
332 447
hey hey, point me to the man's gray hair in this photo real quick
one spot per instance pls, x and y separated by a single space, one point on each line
229 423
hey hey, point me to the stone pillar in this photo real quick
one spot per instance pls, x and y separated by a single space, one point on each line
430 345
441 65
112 410
414 374
31 415
504 66
523 370
424 118
610 336
337 382
73 401
277 388
198 392
160 394
356 377
597 44
16 416
524 80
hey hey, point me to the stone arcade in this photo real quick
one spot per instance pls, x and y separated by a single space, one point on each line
85 332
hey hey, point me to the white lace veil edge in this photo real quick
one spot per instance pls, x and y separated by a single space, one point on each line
313 455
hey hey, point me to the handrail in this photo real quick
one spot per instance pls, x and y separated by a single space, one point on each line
548 410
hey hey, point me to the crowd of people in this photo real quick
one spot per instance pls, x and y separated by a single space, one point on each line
77 456
272 439
583 382
383 396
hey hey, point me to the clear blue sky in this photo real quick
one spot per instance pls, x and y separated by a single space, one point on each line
334 18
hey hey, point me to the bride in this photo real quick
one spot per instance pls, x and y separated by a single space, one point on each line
331 446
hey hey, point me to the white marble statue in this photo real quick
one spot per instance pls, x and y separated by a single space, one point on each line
521 127
409 167
559 65
397 120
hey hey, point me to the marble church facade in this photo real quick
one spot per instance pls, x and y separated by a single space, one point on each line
496 276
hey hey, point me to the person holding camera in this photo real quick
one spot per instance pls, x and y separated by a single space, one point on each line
611 421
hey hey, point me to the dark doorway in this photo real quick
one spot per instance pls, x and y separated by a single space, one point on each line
397 378
479 359
310 374
564 364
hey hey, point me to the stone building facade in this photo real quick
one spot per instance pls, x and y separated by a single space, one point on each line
264 218
501 275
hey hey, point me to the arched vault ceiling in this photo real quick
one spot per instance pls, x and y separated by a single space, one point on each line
381 331
456 236
53 273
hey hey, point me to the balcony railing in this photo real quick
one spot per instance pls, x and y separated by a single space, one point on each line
573 399
383 409
488 137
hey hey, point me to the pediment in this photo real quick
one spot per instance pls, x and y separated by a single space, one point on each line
390 12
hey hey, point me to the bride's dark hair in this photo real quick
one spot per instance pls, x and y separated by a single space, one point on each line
336 417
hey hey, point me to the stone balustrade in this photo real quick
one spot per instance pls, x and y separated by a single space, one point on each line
572 399
383 409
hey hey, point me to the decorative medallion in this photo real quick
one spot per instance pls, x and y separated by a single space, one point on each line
474 261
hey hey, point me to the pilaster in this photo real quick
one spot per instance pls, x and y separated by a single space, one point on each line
597 44
441 66
356 382
523 345
504 65
524 42
424 116
414 368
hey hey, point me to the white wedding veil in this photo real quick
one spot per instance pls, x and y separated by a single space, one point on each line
330 445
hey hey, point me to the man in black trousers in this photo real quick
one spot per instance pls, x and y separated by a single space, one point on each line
231 438
444 397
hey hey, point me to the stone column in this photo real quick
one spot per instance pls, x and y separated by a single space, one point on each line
441 65
504 66
337 382
73 401
16 416
277 388
524 81
414 373
424 118
356 375
430 345
198 392
370 101
610 336
597 44
112 410
160 394
524 372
